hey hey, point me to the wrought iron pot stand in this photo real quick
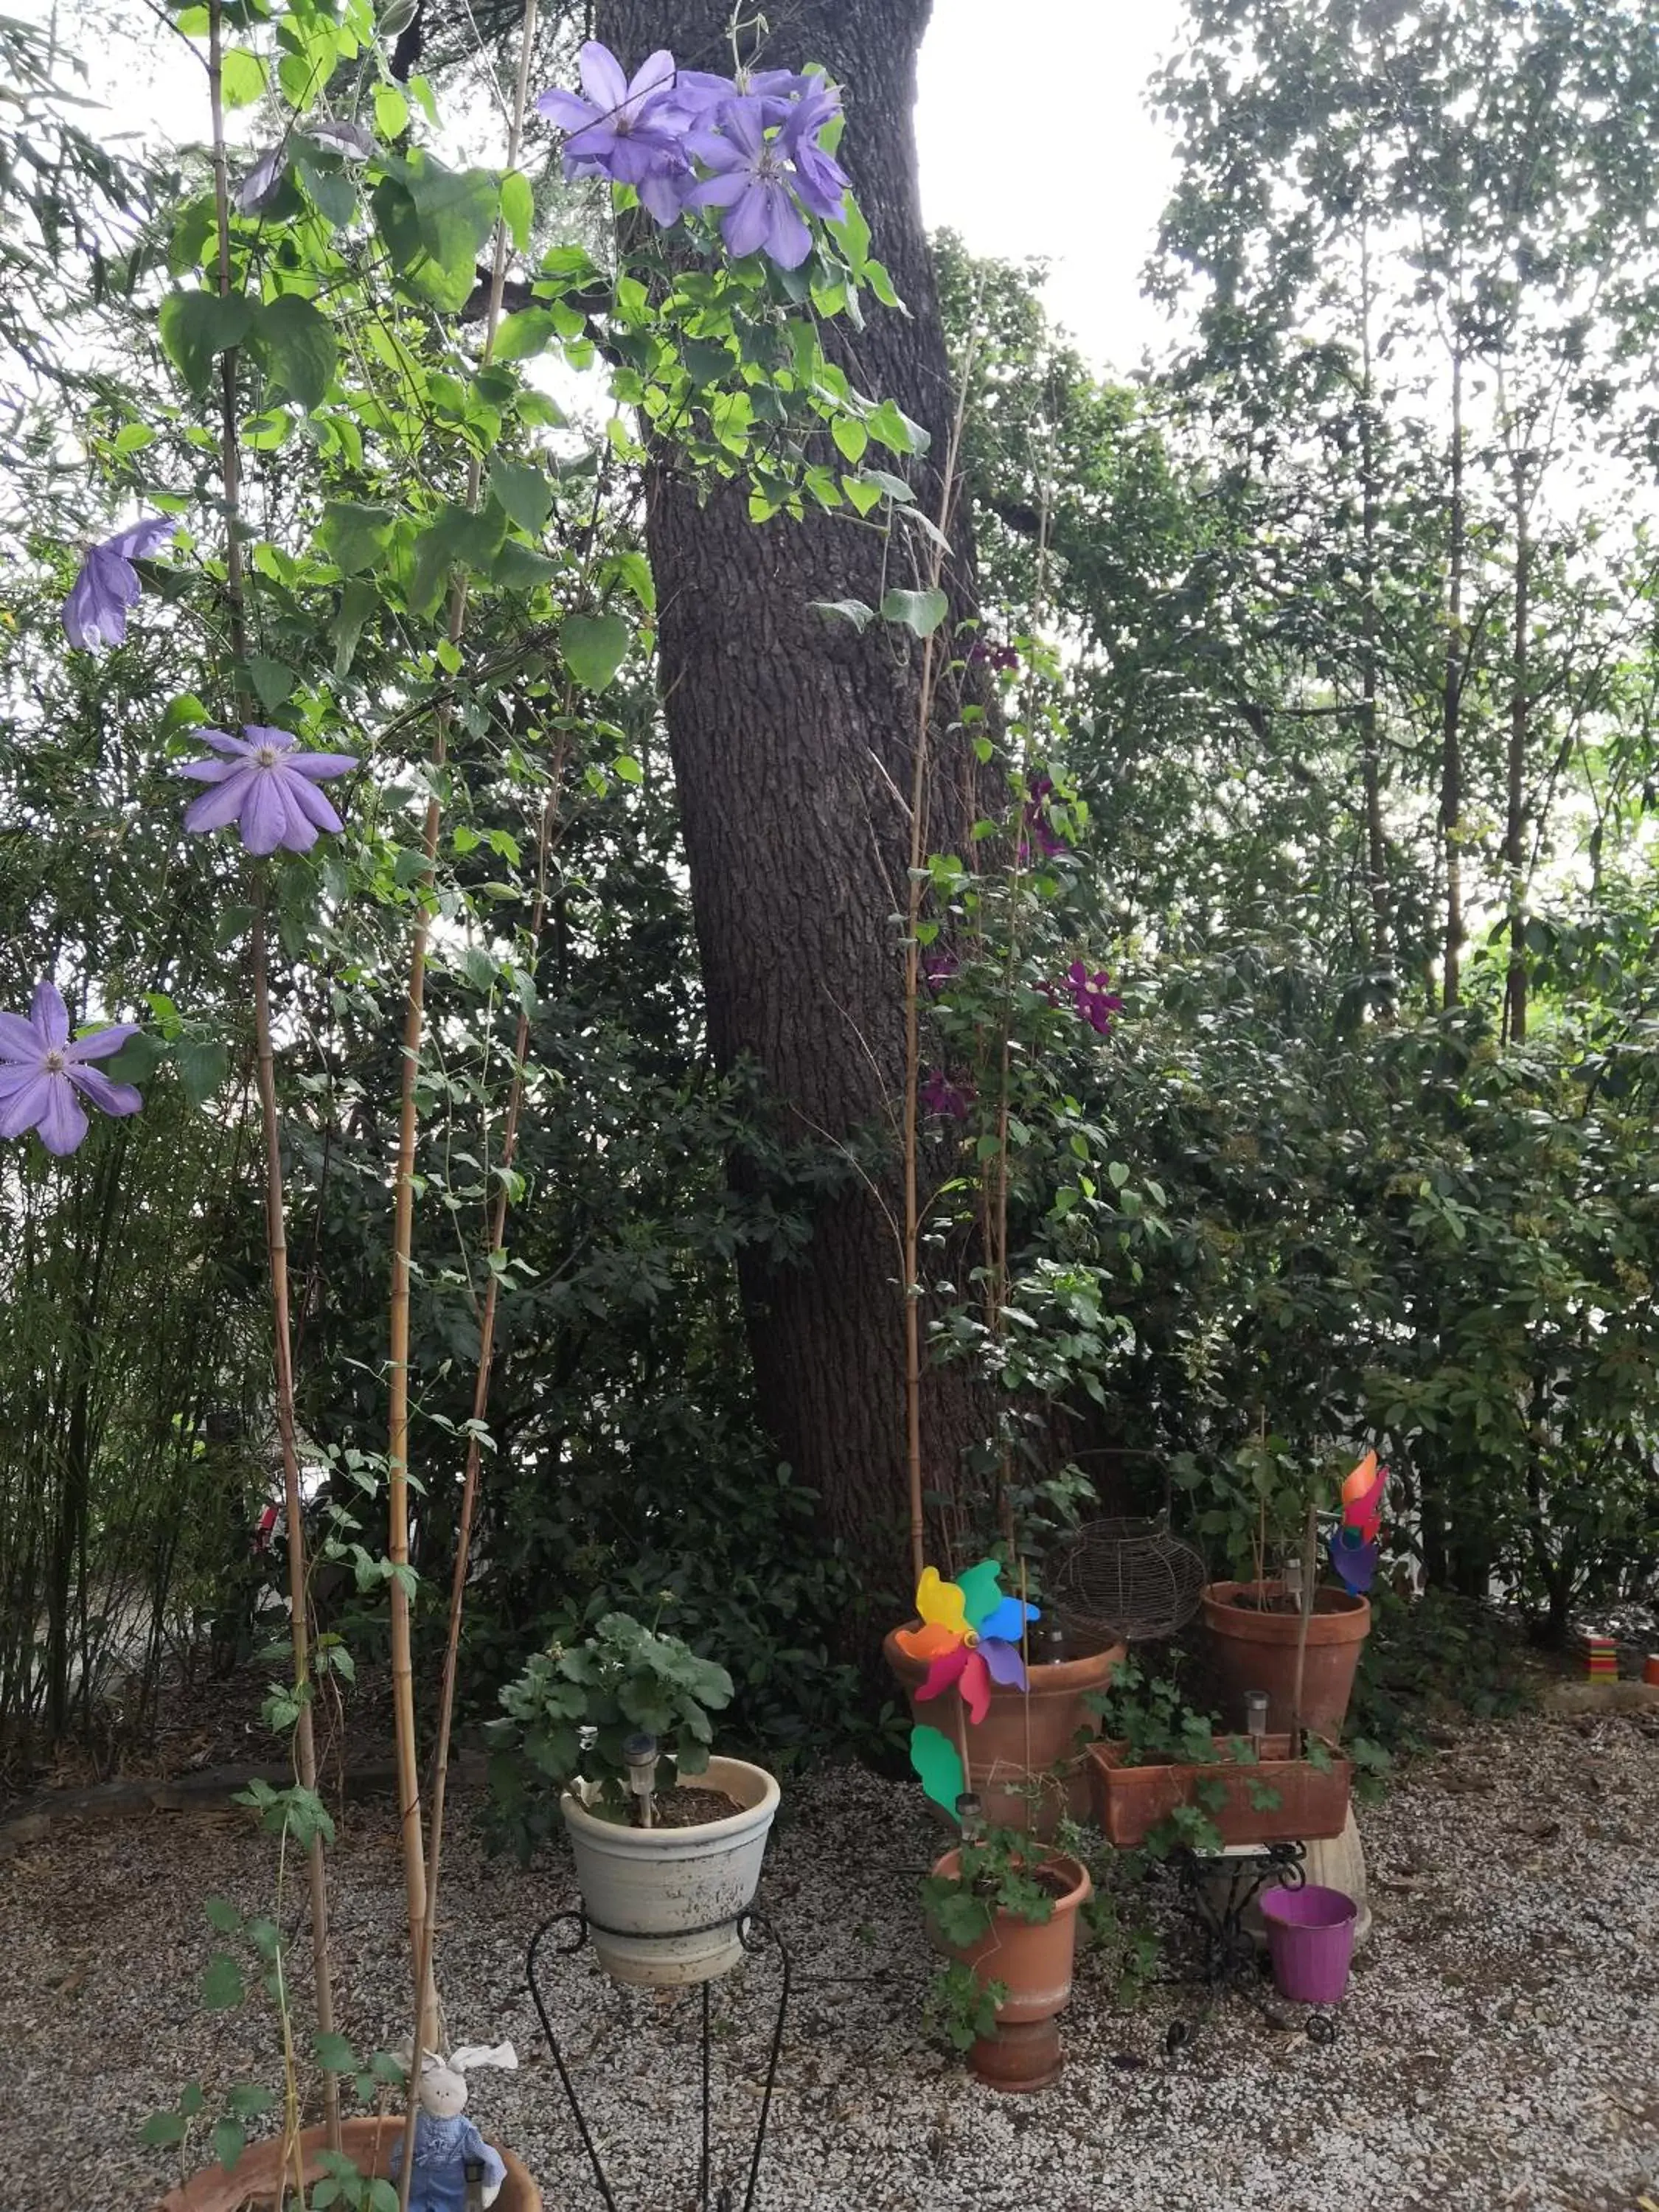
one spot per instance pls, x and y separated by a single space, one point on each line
1213 1891
758 1936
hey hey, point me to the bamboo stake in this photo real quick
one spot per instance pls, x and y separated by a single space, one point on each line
420 1893
304 1746
1309 1568
910 1256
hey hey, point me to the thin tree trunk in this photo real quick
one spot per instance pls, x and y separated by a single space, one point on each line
1515 825
791 739
1376 867
1451 757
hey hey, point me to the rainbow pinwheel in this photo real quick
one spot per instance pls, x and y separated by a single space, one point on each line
1355 1545
969 1636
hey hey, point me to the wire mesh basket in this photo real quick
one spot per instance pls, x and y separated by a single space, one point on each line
1123 1582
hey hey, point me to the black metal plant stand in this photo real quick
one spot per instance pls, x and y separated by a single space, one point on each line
756 1934
1214 1891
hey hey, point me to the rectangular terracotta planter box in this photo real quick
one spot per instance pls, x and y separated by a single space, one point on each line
1313 1802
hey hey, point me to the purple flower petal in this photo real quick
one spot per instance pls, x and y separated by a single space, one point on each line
102 1044
305 802
49 1016
655 75
602 78
143 539
720 192
63 1123
218 809
788 240
209 771
109 1098
319 766
264 816
20 1042
23 1102
748 225
568 109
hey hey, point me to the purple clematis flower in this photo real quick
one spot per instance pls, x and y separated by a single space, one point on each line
1093 996
266 787
623 123
1036 827
941 1095
42 1069
821 182
756 185
938 968
699 94
95 611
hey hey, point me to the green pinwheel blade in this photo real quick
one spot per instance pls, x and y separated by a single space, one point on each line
981 1591
939 1763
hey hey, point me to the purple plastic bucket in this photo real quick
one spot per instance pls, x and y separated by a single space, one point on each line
1310 1939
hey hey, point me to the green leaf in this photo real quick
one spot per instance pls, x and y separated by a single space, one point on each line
518 208
202 1065
163 2128
851 437
627 768
249 2099
520 336
457 539
330 191
382 2197
223 1915
516 568
197 326
242 77
525 493
434 222
865 497
706 362
391 111
272 681
334 2054
853 610
221 1984
890 426
229 2140
594 647
354 536
921 612
358 602
298 348
137 1060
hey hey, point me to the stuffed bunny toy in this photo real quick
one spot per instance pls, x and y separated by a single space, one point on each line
446 2141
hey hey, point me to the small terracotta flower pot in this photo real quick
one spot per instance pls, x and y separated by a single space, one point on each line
1033 1960
1129 1802
1253 1647
1021 1734
367 2143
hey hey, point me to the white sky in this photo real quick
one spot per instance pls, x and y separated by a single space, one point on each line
1035 141
1033 135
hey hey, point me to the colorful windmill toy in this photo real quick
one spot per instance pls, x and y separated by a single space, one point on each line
1356 1545
969 1638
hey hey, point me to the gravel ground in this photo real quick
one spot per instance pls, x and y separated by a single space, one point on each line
1499 2047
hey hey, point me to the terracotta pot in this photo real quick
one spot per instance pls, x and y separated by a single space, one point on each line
1313 1801
1033 1960
368 2144
1253 1651
1022 1734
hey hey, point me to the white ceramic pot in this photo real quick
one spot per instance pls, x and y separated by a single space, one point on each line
646 1890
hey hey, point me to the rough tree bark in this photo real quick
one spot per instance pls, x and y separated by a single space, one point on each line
791 739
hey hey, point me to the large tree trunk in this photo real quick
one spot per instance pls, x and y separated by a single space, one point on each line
791 739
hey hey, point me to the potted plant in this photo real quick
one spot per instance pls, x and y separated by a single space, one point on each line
667 1862
1006 1916
1159 1758
1294 1640
995 1710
